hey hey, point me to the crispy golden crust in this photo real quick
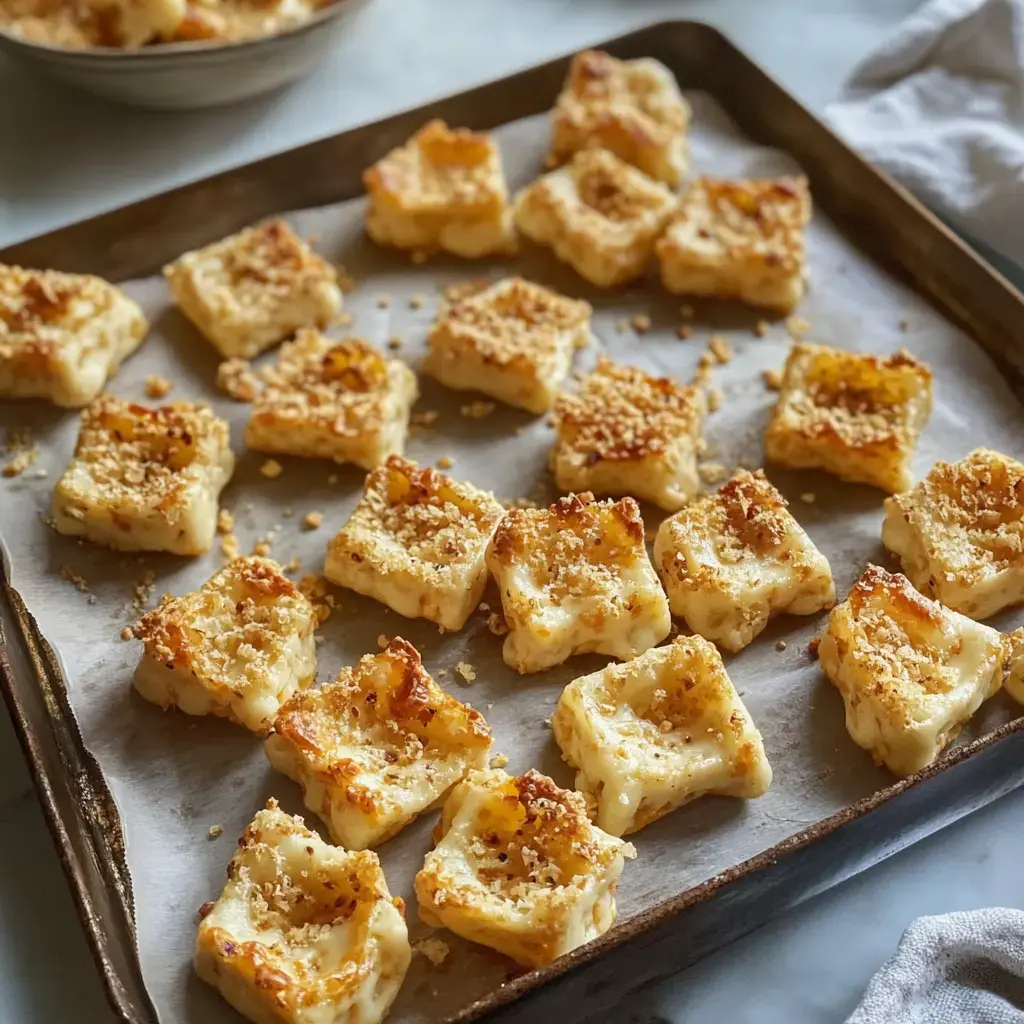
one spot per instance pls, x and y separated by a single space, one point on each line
444 189
519 867
303 929
733 559
960 533
656 732
513 340
378 746
340 400
250 290
910 671
598 214
855 415
625 431
632 108
62 335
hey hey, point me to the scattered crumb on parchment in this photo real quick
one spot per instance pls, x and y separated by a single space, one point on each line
214 831
499 760
772 380
477 410
466 671
236 379
225 521
271 469
158 386
313 520
435 950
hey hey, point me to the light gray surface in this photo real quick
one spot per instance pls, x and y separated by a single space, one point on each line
75 157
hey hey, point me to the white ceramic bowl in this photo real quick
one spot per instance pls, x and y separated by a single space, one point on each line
186 76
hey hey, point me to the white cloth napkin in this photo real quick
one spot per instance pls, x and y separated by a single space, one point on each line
965 968
940 107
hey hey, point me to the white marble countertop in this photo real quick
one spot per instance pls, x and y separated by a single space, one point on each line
66 157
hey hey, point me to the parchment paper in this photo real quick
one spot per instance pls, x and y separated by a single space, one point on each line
174 776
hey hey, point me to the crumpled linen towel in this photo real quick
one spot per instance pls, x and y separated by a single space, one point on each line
940 107
963 968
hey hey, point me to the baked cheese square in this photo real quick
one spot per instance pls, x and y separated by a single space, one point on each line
1013 677
145 479
513 341
519 867
238 647
378 746
249 291
631 107
654 733
959 533
329 399
598 214
626 432
303 932
734 558
63 336
574 578
739 240
854 415
911 672
443 190
417 542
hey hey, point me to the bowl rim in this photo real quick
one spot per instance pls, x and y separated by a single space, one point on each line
154 51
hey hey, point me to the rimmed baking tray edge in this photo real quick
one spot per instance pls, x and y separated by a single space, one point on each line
890 225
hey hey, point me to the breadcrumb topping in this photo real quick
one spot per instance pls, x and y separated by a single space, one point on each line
622 413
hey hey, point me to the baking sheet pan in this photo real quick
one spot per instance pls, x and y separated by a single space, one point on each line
171 778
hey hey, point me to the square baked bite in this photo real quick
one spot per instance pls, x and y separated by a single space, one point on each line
575 577
303 932
513 341
329 399
249 291
378 746
626 432
417 542
1013 675
444 189
631 107
734 558
654 733
911 672
598 214
145 479
238 647
519 867
854 415
959 533
741 240
63 336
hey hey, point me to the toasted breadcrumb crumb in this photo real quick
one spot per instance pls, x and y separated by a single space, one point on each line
225 521
20 462
684 331
346 282
812 647
798 326
712 472
229 546
344 319
383 301
720 349
464 289
781 645
499 760
416 302
808 498
773 380
127 633
261 549
77 579
716 399
496 624
762 328
435 950
382 641
427 418
294 564
157 386
641 323
271 469
236 379
313 520
142 590
214 831
445 462
314 586
477 410
395 342
465 670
